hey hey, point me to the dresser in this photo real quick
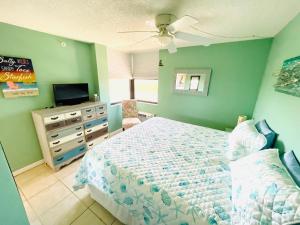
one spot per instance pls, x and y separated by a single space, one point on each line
66 133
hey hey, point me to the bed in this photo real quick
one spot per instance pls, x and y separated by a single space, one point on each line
161 172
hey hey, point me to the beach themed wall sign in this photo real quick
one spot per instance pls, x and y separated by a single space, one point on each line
17 77
288 81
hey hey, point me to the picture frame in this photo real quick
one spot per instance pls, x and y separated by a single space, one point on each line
192 81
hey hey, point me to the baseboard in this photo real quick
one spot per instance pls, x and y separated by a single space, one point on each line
22 170
115 132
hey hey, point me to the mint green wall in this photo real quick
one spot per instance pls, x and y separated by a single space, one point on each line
237 72
114 111
280 110
11 206
52 64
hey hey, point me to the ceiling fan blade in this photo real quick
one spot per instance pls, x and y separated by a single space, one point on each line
145 39
137 31
182 23
192 38
171 47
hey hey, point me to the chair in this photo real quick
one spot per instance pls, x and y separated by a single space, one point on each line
130 114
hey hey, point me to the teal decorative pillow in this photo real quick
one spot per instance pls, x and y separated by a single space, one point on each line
263 191
292 164
263 128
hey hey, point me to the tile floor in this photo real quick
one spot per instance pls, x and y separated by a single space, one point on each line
49 199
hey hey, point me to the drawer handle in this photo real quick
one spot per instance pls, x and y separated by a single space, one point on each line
57 142
88 125
79 141
88 110
60 159
89 116
73 114
79 134
88 131
78 128
54 136
58 150
104 120
106 137
91 144
101 113
73 120
82 149
54 118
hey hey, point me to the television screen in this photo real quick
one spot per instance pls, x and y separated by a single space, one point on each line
70 94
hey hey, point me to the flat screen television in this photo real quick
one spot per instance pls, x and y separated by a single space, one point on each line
70 94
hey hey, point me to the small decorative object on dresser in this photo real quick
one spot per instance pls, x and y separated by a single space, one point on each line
66 133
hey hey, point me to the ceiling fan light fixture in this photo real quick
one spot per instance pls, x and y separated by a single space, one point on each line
165 40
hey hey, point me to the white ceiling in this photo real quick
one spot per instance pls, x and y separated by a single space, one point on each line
100 20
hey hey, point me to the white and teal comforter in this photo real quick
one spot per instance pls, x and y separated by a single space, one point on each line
164 172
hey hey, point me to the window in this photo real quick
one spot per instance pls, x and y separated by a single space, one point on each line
119 90
146 90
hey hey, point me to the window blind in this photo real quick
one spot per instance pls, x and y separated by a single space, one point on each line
145 65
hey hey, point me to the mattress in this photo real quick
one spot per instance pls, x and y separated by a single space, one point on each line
162 172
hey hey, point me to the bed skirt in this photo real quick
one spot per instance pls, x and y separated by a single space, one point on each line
118 211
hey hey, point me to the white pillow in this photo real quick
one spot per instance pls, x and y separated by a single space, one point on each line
263 191
244 140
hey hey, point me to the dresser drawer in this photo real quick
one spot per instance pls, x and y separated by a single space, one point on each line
52 126
100 108
89 116
74 114
88 111
97 141
96 122
65 139
95 128
59 150
62 133
70 154
73 120
96 134
54 118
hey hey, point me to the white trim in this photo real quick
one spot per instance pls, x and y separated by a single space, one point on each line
115 132
22 170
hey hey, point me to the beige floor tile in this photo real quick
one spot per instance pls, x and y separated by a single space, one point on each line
84 196
117 222
64 213
31 215
68 170
36 222
88 218
32 173
49 197
37 184
102 213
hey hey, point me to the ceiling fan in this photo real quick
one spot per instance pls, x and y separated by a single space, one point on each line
168 30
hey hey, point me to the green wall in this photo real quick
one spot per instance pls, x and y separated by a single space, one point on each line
237 70
52 64
11 206
281 110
